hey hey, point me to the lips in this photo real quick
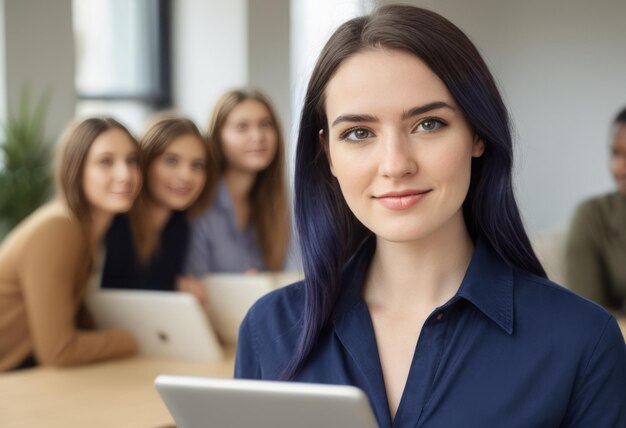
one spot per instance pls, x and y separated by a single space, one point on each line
183 191
124 193
402 200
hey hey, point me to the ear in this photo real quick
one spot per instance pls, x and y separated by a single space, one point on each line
478 146
324 144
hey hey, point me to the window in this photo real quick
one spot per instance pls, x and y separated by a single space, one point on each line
122 58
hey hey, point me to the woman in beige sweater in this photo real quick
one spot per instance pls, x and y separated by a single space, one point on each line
47 259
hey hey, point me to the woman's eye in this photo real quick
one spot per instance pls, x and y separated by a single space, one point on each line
106 161
133 160
170 161
358 134
198 166
429 125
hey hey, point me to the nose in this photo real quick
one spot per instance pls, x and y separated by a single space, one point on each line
185 173
256 133
123 171
397 159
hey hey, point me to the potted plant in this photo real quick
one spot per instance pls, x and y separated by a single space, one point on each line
25 156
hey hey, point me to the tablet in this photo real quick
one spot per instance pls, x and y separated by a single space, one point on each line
164 323
231 295
199 402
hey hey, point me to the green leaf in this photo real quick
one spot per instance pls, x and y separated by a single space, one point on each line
25 158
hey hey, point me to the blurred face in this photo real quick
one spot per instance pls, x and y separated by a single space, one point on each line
399 145
618 158
111 178
249 139
177 176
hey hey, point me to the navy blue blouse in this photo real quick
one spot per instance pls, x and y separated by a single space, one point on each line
509 349
122 268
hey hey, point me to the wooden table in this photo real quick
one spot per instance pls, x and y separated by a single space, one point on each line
117 394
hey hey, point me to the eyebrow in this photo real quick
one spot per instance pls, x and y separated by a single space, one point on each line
415 111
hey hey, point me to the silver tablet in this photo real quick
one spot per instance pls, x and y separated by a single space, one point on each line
165 323
199 402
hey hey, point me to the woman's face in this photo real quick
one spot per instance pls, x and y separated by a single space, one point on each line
399 145
618 158
177 176
249 138
111 177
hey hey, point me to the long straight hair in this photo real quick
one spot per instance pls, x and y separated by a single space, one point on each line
71 154
329 233
269 211
160 134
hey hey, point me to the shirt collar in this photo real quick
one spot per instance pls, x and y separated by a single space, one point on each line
487 284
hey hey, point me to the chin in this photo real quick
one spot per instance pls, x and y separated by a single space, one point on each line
180 206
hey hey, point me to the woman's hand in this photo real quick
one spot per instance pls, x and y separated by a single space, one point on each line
191 284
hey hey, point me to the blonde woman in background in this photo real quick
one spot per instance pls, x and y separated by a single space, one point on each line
246 229
146 249
46 261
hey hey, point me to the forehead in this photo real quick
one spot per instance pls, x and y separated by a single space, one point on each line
248 109
385 80
112 140
619 138
186 145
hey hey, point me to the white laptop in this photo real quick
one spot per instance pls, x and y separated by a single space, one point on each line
231 296
165 324
199 402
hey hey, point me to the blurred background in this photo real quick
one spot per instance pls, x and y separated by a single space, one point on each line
560 65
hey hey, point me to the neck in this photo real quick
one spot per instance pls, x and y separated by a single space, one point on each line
159 215
239 184
100 222
424 273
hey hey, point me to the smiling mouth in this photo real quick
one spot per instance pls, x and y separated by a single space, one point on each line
398 201
181 190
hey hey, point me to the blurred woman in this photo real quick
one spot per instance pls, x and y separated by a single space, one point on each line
46 261
146 249
247 226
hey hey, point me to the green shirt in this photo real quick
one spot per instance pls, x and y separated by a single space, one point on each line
596 251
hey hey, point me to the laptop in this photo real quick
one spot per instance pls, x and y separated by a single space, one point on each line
165 324
231 296
199 402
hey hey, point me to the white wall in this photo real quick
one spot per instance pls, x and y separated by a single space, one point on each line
39 53
268 53
561 66
210 53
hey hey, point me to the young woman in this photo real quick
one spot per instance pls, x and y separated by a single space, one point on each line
246 228
146 249
421 285
46 261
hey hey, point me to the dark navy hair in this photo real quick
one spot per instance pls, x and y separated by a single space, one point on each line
621 117
329 232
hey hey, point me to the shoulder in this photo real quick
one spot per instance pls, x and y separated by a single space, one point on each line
279 311
554 312
271 329
51 222
48 235
601 205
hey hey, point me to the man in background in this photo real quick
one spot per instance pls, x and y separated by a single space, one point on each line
596 244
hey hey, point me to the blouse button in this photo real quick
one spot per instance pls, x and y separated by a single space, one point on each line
439 316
